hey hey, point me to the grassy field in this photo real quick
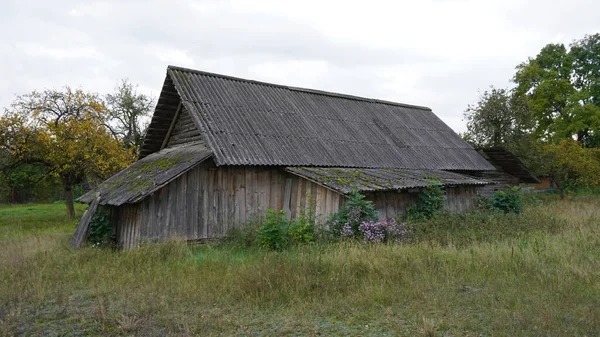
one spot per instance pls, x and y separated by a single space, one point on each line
535 274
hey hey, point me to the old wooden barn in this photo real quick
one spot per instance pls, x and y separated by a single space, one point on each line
220 151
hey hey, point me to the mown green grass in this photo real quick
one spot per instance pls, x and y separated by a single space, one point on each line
24 220
539 282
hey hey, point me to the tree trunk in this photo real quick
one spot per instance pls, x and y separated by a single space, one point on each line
69 201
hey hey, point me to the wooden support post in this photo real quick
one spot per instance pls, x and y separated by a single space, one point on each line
84 223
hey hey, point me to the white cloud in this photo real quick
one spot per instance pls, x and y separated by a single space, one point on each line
434 53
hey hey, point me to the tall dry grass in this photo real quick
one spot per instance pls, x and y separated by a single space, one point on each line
533 283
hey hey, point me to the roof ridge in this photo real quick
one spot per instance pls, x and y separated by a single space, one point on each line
299 89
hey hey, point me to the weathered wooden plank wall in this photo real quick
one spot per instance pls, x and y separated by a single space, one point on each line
208 201
185 130
393 204
501 179
461 198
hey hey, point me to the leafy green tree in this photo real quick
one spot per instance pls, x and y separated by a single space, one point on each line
586 72
560 87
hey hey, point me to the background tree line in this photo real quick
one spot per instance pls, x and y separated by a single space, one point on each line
54 141
551 117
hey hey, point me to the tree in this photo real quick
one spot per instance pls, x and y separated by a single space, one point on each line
501 118
561 88
586 73
497 119
63 131
570 165
126 112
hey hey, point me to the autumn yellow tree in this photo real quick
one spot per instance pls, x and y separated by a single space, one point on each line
570 165
64 131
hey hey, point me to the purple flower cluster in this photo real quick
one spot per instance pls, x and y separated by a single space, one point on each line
382 231
347 231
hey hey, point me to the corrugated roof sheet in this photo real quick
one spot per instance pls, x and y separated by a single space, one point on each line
345 180
510 163
247 122
147 175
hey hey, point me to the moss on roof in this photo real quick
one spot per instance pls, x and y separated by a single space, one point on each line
147 174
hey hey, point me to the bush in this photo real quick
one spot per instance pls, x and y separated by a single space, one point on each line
509 200
272 233
100 231
275 231
430 202
347 220
301 230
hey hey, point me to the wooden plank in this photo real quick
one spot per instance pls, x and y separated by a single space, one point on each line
327 204
263 187
114 219
182 185
231 216
161 206
137 224
243 219
192 204
173 122
390 200
214 201
151 216
301 197
236 195
221 206
320 200
256 213
294 196
275 194
145 211
287 198
205 201
84 224
172 210
251 194
128 226
335 203
311 202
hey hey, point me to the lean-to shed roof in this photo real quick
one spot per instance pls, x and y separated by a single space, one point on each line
345 180
511 164
148 175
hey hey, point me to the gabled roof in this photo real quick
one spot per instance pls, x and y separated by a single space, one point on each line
246 122
148 175
511 164
346 180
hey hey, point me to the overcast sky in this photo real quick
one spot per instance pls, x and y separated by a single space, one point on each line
439 54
